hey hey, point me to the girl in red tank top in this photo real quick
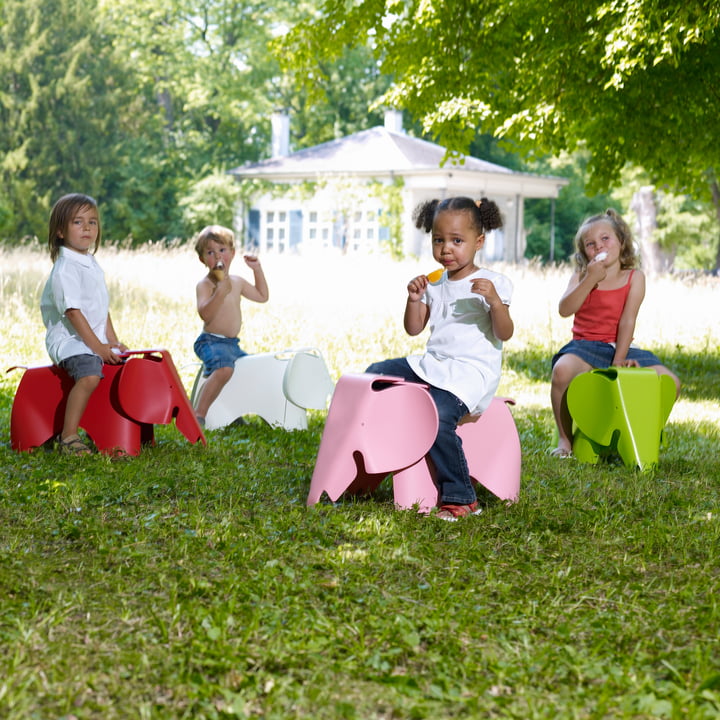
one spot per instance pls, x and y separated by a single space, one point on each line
604 294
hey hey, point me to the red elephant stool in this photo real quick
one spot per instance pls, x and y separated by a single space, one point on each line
379 425
143 391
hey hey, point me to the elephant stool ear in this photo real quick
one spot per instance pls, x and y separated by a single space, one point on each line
144 392
150 391
399 424
592 407
306 381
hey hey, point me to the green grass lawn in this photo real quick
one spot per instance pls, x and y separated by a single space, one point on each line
193 582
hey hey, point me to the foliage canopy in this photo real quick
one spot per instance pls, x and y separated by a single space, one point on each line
139 102
632 80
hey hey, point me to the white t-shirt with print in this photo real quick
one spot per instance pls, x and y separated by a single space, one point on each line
462 355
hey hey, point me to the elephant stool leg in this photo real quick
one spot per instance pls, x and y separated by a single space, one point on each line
38 407
413 487
492 449
106 422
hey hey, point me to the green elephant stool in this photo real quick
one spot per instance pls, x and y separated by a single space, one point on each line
620 411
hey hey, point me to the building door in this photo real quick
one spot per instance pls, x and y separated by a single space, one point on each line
253 233
296 228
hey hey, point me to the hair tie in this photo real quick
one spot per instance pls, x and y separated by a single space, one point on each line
478 203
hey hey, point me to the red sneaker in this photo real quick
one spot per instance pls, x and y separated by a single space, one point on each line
453 512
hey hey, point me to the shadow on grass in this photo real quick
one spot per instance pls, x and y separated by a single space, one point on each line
699 372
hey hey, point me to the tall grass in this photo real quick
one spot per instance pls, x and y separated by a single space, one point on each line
349 307
193 582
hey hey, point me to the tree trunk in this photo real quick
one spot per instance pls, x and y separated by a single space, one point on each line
654 259
716 202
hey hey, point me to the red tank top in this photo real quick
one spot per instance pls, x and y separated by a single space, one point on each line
599 316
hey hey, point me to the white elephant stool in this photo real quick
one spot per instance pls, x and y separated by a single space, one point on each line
278 386
379 425
620 410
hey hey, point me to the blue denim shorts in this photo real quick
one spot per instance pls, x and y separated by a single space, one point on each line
217 351
601 354
80 366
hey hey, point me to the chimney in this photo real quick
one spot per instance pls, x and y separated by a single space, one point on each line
394 121
280 122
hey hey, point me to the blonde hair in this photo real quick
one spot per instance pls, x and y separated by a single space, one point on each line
628 254
214 233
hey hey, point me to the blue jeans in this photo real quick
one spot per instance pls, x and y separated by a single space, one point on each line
447 452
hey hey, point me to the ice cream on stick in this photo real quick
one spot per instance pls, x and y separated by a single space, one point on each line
601 256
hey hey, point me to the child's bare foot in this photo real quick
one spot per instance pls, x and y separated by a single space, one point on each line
561 452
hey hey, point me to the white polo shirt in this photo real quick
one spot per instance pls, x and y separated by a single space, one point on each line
76 281
462 355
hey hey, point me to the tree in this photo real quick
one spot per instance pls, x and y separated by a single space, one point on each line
205 63
348 87
58 107
138 101
633 81
574 206
208 66
72 120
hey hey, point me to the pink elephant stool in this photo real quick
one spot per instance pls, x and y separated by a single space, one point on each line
379 425
132 397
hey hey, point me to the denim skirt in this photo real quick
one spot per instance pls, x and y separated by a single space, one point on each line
601 354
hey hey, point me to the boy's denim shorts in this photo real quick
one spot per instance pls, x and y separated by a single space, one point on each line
217 351
80 366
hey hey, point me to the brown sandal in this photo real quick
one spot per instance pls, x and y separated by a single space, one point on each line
72 445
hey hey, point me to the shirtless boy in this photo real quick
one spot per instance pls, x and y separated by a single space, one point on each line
218 304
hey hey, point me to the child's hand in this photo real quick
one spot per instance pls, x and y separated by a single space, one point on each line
224 285
416 287
109 354
485 288
596 269
626 363
252 261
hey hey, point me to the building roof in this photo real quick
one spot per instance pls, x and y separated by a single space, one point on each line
377 150
381 152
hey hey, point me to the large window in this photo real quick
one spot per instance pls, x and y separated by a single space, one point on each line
317 228
364 230
276 230
319 224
